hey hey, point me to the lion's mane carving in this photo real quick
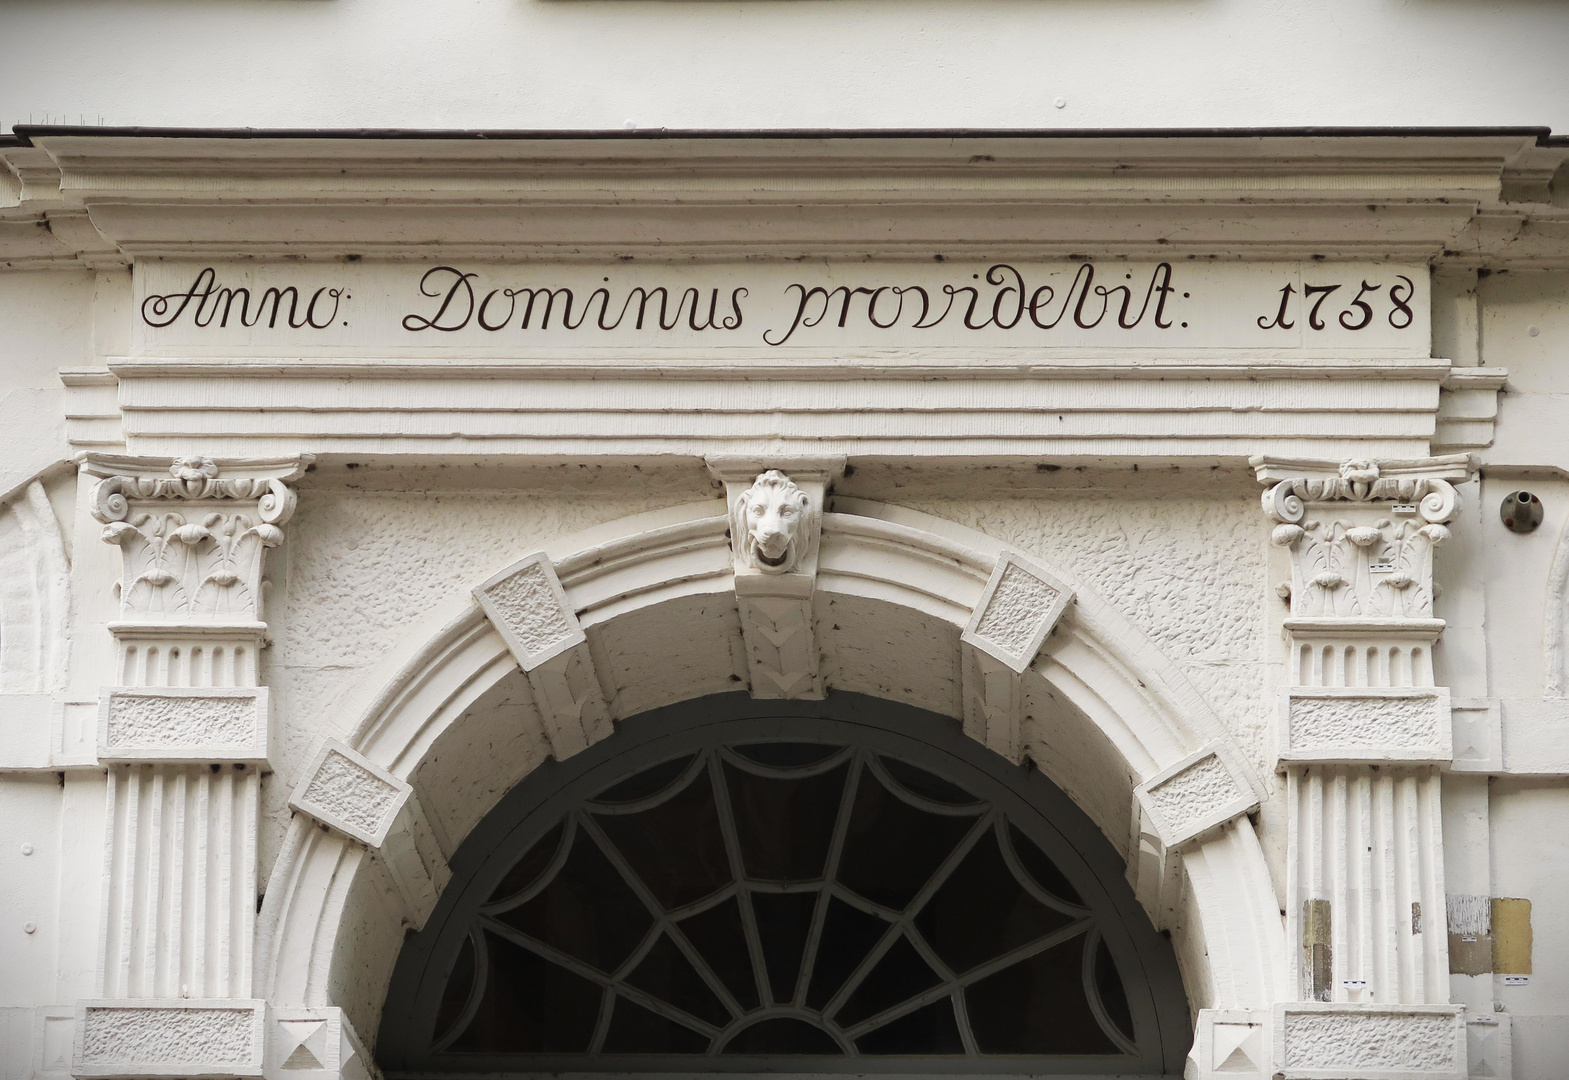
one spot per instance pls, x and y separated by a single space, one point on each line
772 524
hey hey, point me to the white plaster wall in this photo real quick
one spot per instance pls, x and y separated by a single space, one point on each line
47 320
803 63
1523 814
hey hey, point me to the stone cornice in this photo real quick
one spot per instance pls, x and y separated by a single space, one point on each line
888 194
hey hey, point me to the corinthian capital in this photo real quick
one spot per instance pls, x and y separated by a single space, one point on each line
1425 484
1362 533
193 531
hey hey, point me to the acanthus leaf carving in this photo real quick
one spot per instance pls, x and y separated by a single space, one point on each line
1362 533
193 541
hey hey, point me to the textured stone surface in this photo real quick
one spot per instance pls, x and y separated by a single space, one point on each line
1188 569
528 605
1013 616
1410 1041
163 1036
1197 791
349 793
140 720
362 566
478 760
1357 722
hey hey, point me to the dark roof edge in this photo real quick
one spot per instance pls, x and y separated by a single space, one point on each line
23 134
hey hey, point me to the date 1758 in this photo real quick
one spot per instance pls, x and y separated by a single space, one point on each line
1371 302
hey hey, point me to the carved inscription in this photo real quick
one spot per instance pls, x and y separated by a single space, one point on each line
767 307
1358 313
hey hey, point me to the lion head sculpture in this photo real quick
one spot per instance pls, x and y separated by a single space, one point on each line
771 523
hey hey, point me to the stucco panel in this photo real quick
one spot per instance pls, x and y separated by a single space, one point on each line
1188 571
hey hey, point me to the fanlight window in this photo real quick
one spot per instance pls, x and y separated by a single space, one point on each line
832 904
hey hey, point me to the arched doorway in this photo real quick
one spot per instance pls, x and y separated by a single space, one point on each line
834 887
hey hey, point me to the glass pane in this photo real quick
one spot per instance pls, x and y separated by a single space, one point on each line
526 870
981 911
782 1035
783 922
787 755
460 984
848 935
1113 998
718 936
899 975
1041 868
636 1030
670 976
677 847
785 826
926 785
650 781
530 1006
1037 1006
587 912
892 848
930 1029
752 974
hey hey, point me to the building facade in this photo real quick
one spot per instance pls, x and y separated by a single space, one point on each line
659 602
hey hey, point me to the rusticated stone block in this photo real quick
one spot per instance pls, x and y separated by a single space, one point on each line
352 794
169 1038
1351 725
1318 1041
530 610
1195 795
183 724
1021 604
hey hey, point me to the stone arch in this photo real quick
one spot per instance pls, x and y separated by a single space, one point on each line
1105 716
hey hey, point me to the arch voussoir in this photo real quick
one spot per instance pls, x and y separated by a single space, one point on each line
642 613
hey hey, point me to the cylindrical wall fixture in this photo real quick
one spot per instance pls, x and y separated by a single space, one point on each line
1521 512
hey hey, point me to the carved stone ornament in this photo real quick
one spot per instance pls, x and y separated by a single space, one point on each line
775 525
776 521
531 611
157 1038
315 1044
1347 725
193 539
1366 551
529 608
1021 604
1317 1041
1427 484
1195 796
346 791
183 724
